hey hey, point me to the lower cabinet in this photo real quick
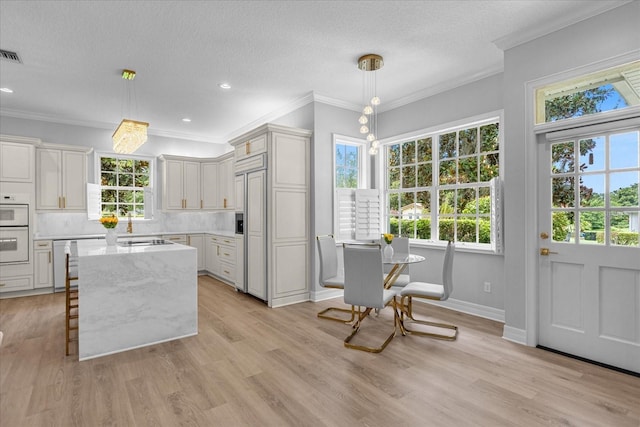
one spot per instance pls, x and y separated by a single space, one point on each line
197 241
221 257
43 266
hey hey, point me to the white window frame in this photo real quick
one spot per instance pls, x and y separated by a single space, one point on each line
340 195
148 191
496 245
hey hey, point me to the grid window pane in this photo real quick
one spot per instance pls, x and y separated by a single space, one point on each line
122 181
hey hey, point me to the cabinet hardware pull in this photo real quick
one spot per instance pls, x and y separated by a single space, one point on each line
64 202
49 257
227 272
2 284
60 202
200 203
218 251
42 244
225 202
226 254
247 147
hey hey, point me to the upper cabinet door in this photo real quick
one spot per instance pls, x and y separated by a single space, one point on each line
74 180
49 183
227 184
173 184
16 162
191 186
210 191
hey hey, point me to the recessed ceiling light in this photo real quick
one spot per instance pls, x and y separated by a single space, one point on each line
186 120
6 90
224 85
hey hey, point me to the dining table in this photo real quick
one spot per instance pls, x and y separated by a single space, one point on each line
400 261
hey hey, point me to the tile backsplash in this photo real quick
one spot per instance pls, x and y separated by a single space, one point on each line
72 224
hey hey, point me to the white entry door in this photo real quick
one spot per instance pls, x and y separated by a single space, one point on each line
589 256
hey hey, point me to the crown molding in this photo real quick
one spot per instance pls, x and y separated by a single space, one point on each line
440 88
285 109
515 39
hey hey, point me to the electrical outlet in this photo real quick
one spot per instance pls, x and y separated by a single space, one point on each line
487 286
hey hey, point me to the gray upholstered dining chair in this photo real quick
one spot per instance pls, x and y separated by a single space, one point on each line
432 291
364 287
330 277
400 245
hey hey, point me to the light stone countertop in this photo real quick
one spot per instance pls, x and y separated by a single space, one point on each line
124 236
98 247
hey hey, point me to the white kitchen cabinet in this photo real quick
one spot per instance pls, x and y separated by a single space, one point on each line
61 179
255 230
210 190
226 183
221 257
245 147
212 263
197 241
17 159
43 266
277 212
180 183
239 192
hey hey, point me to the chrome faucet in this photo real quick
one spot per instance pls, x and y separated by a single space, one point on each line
130 225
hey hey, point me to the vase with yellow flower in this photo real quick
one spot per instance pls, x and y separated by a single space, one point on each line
388 249
110 222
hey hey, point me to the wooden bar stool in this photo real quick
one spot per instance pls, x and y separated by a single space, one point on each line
71 309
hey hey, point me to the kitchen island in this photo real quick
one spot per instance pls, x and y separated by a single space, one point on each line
134 295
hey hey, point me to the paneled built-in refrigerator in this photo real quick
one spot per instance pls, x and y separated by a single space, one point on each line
251 231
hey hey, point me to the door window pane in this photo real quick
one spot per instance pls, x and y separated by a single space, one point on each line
592 152
562 157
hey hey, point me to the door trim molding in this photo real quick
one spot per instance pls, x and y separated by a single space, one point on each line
531 188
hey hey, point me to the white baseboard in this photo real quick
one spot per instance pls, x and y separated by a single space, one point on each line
518 336
325 294
484 311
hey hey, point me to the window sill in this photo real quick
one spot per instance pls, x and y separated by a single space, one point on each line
460 247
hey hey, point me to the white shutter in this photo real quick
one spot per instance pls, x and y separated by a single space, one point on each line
496 214
148 202
345 214
93 201
367 215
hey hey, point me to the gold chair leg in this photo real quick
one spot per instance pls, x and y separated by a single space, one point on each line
407 309
322 314
356 329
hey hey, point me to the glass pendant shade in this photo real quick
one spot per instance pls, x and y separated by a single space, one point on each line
129 136
369 64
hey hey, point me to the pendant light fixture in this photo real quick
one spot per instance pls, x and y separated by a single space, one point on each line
130 134
369 64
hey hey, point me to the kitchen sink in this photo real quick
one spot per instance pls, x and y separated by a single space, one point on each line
152 242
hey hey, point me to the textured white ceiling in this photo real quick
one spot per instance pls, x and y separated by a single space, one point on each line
273 53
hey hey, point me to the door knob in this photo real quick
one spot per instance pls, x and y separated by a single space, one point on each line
544 235
546 252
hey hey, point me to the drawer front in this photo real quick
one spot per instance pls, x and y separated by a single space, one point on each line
42 244
15 284
228 272
228 254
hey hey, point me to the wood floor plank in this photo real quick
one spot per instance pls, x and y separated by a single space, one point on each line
251 365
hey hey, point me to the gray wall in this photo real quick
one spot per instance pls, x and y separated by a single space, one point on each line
602 37
471 269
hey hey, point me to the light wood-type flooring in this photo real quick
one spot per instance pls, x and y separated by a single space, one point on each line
254 366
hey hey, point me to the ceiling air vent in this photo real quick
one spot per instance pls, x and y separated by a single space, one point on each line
10 56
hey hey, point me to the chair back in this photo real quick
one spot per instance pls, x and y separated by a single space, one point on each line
447 270
400 245
328 257
363 275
